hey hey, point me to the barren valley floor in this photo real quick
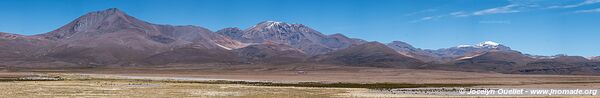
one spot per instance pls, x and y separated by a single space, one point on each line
170 82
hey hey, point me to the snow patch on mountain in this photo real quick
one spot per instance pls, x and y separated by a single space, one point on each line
488 43
485 44
274 24
463 46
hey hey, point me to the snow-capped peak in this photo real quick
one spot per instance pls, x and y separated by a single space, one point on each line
462 46
271 24
485 44
488 43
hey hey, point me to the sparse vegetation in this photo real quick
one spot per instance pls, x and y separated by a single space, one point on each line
100 87
32 78
336 85
299 84
62 84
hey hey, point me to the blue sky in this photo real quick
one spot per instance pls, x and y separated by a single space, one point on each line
544 27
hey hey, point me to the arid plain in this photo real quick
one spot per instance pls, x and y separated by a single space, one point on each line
255 81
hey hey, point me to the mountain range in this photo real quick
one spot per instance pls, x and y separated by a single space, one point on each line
111 38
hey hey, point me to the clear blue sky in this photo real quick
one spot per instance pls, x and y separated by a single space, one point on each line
544 27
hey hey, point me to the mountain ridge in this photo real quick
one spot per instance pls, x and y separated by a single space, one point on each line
299 36
113 38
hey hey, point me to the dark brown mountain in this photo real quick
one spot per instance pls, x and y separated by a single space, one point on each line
410 51
516 63
26 51
111 36
596 58
298 36
469 50
253 54
234 32
372 54
446 55
567 59
190 55
495 61
19 46
561 65
270 54
11 44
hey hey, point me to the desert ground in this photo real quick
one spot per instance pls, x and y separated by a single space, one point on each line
268 82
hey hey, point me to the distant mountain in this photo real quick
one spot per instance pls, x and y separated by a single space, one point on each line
190 55
540 56
6 36
568 59
298 36
372 54
596 58
270 54
446 54
514 62
561 65
19 46
111 36
497 61
26 51
410 51
234 32
469 50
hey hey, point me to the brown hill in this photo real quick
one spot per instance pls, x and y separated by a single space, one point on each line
19 46
299 36
372 54
111 36
561 65
190 55
496 61
270 54
517 63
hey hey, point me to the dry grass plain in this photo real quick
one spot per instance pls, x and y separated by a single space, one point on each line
158 82
108 88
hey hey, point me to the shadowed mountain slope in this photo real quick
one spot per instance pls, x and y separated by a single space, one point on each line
372 54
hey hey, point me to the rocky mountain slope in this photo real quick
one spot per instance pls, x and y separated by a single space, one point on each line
19 46
497 61
270 54
371 54
408 50
298 36
445 55
111 36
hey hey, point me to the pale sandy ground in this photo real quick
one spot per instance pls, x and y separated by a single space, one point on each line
128 88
